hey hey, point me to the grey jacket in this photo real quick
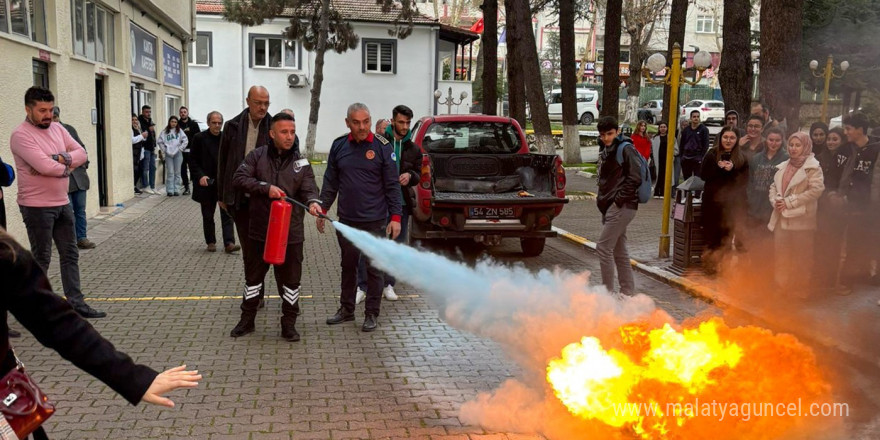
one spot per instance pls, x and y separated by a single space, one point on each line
79 177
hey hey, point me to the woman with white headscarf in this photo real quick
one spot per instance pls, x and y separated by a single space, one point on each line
794 194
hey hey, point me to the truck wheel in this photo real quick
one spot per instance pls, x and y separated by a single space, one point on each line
532 247
586 118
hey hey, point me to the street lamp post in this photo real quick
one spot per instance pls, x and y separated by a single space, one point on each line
450 101
827 73
674 76
755 57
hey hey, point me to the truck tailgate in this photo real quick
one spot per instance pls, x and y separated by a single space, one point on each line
508 198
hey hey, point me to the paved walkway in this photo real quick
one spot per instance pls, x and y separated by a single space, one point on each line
849 323
168 301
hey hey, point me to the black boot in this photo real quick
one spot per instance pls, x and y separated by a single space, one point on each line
288 329
245 325
289 312
186 190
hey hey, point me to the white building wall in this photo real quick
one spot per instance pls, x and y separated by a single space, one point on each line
224 86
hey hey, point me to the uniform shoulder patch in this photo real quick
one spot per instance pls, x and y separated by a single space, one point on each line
381 139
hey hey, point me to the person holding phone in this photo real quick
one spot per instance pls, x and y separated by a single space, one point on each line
203 167
726 172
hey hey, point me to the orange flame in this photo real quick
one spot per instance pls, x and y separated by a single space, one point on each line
650 382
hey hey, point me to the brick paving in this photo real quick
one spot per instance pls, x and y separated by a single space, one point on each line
169 302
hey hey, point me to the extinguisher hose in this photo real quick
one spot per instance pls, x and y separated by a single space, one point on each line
303 206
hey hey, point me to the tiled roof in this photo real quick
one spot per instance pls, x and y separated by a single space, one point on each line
353 10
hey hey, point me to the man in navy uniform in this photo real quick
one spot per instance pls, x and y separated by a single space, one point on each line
362 172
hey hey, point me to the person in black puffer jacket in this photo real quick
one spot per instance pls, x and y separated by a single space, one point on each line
268 173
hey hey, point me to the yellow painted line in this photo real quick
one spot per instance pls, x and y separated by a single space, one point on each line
194 298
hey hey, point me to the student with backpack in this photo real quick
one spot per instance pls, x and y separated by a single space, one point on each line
622 177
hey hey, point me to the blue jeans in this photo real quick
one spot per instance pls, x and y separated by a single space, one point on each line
148 170
78 203
172 172
362 265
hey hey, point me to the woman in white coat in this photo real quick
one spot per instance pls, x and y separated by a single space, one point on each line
794 194
172 141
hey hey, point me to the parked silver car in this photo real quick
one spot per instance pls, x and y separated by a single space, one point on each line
652 111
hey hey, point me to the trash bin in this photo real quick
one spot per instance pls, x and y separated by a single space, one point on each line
687 234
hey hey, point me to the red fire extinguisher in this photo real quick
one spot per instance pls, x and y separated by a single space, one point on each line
276 234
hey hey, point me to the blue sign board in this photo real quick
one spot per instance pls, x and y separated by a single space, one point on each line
143 52
171 63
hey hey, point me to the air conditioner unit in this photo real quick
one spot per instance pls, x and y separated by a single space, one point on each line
296 80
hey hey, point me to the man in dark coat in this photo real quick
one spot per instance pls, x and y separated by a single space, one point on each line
148 163
241 135
269 173
190 128
78 189
203 164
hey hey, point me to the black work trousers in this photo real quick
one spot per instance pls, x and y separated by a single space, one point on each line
208 225
375 278
241 215
287 278
690 167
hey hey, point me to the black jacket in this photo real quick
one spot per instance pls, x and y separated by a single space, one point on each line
287 170
29 297
150 143
232 146
190 128
694 143
618 183
203 162
79 177
411 163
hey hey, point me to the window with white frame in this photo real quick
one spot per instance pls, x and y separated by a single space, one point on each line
93 31
26 18
274 52
200 51
705 24
379 55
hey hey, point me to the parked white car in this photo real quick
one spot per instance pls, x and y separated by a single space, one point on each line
587 105
710 111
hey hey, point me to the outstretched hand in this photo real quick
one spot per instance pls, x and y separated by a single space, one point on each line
170 380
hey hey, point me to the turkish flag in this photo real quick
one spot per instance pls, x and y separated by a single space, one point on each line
478 26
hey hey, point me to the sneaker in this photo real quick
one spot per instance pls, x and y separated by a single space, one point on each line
85 243
176 193
137 191
86 311
389 293
170 194
231 247
360 296
148 191
186 191
211 247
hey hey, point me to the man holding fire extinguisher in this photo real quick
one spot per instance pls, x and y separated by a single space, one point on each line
269 173
362 172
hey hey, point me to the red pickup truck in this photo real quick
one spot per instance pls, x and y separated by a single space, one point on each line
480 181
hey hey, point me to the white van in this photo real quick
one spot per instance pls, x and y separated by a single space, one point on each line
587 105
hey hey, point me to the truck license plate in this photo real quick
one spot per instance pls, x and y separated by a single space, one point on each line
491 213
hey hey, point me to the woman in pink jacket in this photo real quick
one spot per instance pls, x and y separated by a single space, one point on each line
794 194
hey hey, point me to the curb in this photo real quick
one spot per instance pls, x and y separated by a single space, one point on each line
710 296
692 288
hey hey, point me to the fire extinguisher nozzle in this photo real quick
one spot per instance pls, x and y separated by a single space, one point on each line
303 206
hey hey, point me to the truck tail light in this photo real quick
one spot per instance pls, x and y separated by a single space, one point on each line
425 180
560 175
